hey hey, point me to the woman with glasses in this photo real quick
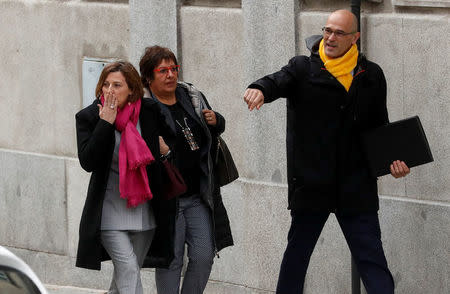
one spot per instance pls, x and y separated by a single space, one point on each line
118 141
196 218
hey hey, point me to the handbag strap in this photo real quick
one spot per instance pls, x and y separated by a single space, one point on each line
199 104
196 98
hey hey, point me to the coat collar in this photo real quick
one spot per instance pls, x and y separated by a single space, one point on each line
185 102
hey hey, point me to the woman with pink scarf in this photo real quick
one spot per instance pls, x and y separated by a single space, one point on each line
118 141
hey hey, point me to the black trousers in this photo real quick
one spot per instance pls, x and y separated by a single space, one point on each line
363 236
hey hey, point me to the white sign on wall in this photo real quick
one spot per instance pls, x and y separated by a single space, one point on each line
92 68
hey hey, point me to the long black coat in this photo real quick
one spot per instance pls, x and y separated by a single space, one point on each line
327 169
96 140
161 250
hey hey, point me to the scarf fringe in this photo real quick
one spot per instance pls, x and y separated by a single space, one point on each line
134 200
139 163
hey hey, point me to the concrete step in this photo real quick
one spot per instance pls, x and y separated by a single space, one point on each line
55 289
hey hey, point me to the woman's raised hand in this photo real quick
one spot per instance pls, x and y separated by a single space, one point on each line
108 111
210 117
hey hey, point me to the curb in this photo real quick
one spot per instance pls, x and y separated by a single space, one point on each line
56 289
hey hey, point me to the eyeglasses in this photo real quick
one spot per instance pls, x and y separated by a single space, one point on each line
164 70
338 33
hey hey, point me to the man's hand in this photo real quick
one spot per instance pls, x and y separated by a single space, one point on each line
399 169
254 98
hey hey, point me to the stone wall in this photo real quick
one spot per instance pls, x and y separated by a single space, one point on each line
222 46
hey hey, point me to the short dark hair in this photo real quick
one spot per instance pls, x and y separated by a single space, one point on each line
152 57
131 77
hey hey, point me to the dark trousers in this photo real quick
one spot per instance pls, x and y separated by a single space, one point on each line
363 236
193 227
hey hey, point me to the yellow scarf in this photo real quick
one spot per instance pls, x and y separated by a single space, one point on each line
341 67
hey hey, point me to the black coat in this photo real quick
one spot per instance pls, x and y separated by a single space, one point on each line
161 250
96 140
327 169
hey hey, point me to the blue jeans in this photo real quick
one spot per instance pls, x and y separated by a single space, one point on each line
363 236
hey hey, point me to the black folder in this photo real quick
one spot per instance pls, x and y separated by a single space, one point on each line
402 140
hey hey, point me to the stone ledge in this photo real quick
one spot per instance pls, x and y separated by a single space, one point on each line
425 3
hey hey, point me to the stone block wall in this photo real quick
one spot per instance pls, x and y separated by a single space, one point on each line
222 46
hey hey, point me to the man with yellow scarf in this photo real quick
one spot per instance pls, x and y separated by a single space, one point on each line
332 96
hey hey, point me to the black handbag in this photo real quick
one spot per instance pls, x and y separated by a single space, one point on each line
224 167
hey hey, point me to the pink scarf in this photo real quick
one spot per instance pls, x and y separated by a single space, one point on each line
134 156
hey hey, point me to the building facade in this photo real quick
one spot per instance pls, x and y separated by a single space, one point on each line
222 46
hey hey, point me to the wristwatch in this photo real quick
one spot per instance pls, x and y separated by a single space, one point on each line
167 155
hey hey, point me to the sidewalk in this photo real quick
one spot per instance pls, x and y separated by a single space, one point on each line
54 289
